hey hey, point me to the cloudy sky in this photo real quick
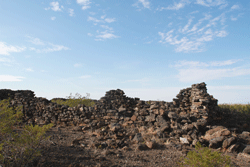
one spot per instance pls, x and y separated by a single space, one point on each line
149 48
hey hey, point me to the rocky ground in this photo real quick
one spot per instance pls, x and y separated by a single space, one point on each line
69 147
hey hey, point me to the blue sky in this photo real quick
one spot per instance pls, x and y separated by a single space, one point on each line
150 49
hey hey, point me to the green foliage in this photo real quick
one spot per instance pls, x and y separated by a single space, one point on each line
73 101
8 117
18 147
241 108
205 157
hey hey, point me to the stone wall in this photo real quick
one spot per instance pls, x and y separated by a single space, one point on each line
188 114
193 104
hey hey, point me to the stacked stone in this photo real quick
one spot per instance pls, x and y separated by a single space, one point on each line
114 99
203 104
7 93
119 108
33 108
190 113
185 117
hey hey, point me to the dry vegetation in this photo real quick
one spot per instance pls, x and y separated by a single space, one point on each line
240 108
73 101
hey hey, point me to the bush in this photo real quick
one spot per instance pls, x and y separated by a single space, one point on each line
18 148
73 101
205 157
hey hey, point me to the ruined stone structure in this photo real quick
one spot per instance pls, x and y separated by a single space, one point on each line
115 116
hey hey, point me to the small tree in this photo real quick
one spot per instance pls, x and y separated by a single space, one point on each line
205 157
18 148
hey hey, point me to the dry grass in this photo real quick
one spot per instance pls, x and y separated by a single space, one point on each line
73 101
241 108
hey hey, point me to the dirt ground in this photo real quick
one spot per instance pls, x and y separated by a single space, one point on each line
68 148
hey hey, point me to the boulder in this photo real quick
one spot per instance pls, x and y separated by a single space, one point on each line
216 132
216 142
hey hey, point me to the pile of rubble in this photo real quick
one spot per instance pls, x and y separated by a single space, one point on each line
119 121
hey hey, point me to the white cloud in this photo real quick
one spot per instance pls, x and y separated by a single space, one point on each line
222 33
209 3
235 7
29 69
189 63
35 41
85 76
106 35
7 49
234 18
53 18
71 12
195 71
193 37
110 20
51 48
54 48
85 4
101 35
94 19
55 6
77 65
182 45
185 28
176 6
170 24
194 64
45 47
107 27
103 16
144 3
85 7
10 78
200 75
223 63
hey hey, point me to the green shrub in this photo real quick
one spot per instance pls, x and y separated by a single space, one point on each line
18 147
73 101
205 157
